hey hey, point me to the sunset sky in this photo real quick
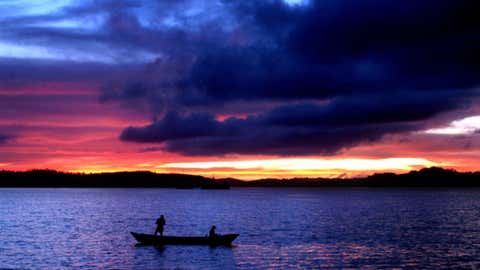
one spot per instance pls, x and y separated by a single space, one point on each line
248 89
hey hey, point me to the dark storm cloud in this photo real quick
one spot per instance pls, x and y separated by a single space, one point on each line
354 28
295 129
262 73
202 135
372 68
173 126
347 46
378 108
288 141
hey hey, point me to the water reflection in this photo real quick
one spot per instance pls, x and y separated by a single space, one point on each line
184 257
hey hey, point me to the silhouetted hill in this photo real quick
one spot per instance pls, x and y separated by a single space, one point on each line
429 177
50 178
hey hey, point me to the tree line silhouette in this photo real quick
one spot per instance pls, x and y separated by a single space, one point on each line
428 177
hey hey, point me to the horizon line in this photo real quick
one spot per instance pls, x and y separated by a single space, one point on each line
245 180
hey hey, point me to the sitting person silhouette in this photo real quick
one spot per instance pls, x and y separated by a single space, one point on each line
160 223
212 233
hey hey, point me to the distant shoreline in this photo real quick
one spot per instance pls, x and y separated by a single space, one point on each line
428 177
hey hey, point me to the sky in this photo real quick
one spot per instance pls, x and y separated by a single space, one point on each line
235 88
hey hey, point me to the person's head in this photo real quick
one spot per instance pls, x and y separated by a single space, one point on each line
161 216
213 227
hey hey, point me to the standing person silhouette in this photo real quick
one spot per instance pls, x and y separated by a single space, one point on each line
160 223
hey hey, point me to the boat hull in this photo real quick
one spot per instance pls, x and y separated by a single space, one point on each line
150 239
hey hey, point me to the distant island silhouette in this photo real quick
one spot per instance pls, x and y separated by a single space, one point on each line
427 177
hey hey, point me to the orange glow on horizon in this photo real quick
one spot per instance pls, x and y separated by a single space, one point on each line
243 169
297 164
299 167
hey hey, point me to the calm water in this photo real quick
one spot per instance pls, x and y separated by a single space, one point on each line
279 228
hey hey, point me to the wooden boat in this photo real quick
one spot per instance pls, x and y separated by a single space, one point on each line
219 240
